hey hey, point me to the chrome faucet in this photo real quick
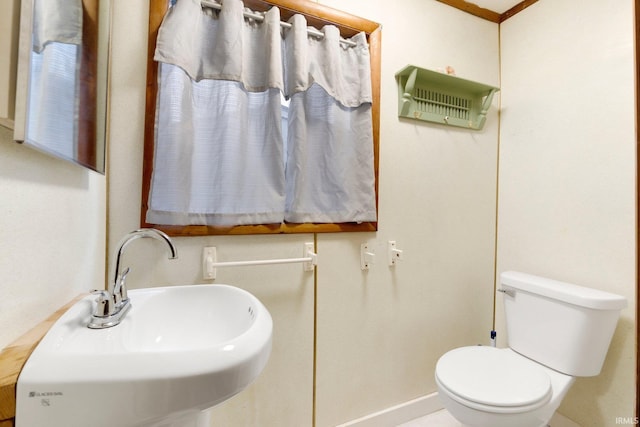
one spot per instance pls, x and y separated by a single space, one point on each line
113 304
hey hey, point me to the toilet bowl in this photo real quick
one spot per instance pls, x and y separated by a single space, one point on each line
556 331
487 386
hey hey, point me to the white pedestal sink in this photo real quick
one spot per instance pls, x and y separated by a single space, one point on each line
179 351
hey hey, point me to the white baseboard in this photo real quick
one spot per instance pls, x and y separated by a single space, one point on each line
399 414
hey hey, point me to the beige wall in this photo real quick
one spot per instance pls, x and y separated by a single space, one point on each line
567 170
380 332
52 235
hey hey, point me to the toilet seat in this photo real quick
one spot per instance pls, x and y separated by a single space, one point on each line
493 380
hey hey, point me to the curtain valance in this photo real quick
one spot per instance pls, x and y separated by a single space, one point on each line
56 21
343 71
226 46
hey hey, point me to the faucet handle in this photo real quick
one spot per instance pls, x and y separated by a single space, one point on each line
104 303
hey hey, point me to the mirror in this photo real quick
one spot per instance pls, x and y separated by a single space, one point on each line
62 79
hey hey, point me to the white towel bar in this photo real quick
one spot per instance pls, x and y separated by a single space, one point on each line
261 262
210 263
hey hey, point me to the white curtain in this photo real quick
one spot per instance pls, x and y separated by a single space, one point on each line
52 109
218 149
220 157
329 172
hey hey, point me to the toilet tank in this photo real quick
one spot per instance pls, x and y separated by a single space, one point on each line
563 326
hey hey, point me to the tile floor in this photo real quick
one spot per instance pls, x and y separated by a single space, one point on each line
443 418
440 418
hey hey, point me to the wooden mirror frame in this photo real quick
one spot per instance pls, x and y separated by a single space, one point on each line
317 15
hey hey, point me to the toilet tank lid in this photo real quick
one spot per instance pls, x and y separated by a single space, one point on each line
567 292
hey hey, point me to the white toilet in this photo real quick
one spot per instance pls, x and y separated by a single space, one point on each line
556 332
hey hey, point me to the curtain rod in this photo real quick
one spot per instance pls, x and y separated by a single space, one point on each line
258 17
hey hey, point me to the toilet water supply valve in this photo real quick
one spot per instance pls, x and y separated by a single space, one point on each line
493 338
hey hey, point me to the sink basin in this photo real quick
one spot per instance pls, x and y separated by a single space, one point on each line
179 350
